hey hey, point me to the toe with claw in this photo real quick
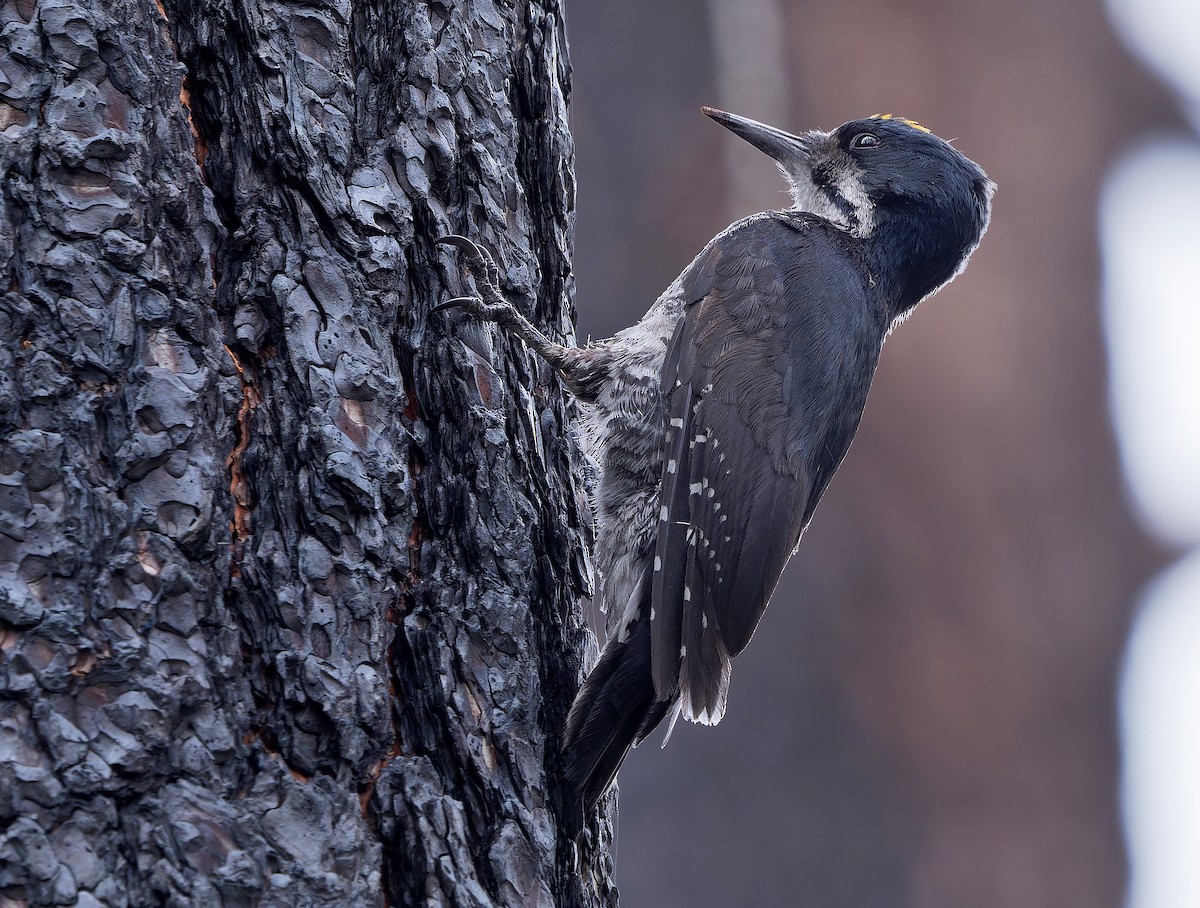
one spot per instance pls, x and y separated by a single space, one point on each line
490 304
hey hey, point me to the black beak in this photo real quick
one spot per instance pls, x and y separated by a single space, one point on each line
781 146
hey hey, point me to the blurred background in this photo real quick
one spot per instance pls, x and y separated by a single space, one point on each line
979 681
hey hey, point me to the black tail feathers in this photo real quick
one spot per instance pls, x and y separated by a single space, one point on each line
615 709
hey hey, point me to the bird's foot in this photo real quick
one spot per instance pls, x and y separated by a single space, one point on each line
490 304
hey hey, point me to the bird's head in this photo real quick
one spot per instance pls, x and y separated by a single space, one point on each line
920 204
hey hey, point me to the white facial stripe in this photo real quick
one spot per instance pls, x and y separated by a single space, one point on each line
808 197
850 188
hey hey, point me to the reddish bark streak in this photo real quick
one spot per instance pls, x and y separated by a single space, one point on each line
241 525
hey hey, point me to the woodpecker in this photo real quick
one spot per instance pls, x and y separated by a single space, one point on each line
718 419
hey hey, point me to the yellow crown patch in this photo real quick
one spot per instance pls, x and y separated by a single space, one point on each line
913 123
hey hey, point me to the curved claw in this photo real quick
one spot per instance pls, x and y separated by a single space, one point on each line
489 304
455 303
461 242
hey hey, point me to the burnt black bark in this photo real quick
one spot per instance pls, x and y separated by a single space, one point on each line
289 569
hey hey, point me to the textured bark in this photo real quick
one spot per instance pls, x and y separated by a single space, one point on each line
289 569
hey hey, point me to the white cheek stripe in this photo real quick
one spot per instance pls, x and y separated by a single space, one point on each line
850 188
807 197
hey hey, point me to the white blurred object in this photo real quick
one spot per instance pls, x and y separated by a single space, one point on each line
1151 240
1165 33
1150 237
1160 727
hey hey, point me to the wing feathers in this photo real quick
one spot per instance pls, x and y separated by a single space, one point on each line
704 662
666 613
766 373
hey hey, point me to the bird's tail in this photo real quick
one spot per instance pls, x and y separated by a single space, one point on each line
615 709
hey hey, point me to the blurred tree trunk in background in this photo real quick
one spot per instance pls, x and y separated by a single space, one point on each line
289 571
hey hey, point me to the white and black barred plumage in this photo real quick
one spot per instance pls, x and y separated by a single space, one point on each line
719 418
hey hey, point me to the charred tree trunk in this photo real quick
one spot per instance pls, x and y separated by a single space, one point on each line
289 569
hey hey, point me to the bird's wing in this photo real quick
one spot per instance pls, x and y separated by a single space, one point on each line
764 380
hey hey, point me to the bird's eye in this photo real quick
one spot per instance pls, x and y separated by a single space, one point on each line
864 140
